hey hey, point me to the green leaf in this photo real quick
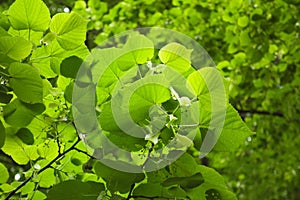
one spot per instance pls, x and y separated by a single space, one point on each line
20 114
46 179
16 48
29 14
176 56
70 66
75 190
139 47
234 132
20 152
185 182
4 173
25 135
117 180
26 82
243 21
155 189
213 181
2 134
70 30
145 97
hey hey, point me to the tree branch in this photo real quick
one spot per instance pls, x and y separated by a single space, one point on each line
79 150
59 156
242 112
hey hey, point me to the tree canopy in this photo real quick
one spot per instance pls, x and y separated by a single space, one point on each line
75 78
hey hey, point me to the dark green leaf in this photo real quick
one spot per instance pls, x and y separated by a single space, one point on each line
75 190
70 66
26 136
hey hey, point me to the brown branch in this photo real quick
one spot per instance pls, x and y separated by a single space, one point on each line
278 114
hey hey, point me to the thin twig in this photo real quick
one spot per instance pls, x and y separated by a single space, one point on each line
59 156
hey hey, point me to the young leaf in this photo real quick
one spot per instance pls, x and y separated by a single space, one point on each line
70 30
26 82
75 190
29 14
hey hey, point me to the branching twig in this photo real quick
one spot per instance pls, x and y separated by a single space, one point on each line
130 191
79 150
59 156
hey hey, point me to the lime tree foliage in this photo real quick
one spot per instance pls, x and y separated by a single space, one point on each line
256 45
42 155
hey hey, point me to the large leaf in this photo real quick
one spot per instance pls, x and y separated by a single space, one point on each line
139 47
145 97
26 82
29 14
76 190
70 30
16 48
117 180
20 114
234 132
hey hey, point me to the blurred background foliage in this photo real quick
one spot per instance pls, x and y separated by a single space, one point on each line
256 45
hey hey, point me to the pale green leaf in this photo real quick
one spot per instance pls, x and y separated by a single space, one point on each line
20 152
176 56
70 30
16 48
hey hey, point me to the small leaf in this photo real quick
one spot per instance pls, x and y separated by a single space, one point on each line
26 136
29 14
75 190
70 30
70 66
16 48
243 21
26 82
4 173
2 134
